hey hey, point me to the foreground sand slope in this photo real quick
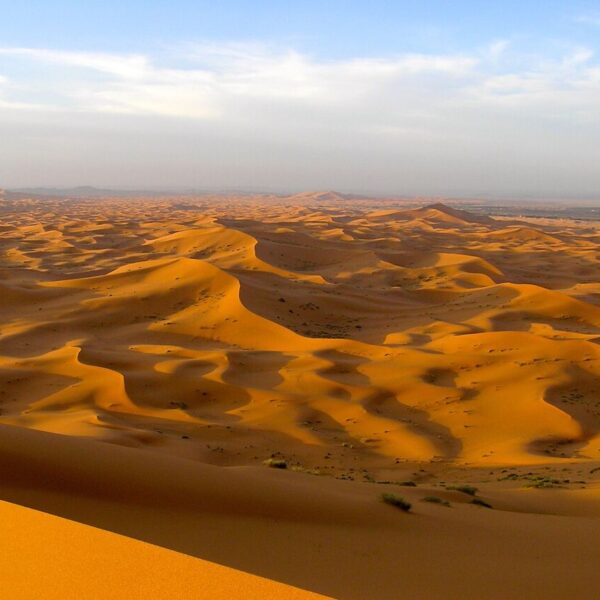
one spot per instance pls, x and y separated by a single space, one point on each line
44 556
332 537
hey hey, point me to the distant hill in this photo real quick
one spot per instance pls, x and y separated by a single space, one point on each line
322 196
438 213
439 209
84 191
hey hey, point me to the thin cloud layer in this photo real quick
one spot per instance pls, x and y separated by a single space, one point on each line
242 92
217 80
222 76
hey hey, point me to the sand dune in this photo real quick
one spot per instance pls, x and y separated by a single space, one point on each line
87 562
333 537
437 213
363 344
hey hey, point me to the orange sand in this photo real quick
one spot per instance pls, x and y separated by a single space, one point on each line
44 556
359 343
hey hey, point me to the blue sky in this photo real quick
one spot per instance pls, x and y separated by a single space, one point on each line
461 97
325 28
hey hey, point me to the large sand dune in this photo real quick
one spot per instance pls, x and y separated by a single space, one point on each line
364 346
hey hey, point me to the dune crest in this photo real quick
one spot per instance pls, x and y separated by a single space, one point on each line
375 343
313 329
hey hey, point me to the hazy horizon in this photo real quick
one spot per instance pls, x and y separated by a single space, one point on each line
97 191
462 100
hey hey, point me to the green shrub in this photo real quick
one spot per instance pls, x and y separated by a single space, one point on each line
465 489
436 500
397 501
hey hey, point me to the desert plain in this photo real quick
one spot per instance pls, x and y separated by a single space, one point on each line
207 397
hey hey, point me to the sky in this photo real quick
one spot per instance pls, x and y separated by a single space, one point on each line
454 98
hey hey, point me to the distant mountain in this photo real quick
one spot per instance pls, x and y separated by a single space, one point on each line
84 191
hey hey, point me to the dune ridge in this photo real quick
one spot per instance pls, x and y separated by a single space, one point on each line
406 343
313 338
334 538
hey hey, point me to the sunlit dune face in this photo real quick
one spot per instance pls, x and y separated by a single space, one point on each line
333 333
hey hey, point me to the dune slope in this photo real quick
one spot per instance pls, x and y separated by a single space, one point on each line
370 343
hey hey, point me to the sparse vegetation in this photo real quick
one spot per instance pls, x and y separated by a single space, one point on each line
435 500
542 482
397 501
539 481
464 488
480 502
308 471
276 463
509 477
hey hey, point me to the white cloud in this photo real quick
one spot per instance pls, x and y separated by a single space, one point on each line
225 75
225 81
589 19
125 66
253 99
498 48
5 85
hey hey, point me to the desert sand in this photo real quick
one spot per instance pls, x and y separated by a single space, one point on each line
157 353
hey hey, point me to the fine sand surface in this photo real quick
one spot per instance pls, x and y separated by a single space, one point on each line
369 345
49 557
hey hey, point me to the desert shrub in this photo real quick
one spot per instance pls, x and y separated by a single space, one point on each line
276 463
480 502
397 501
465 489
436 500
509 477
542 483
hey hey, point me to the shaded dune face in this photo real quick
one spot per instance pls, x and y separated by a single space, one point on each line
324 331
